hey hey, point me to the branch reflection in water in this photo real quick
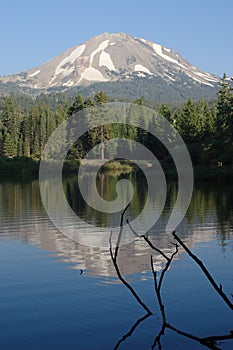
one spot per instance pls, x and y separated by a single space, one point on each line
210 342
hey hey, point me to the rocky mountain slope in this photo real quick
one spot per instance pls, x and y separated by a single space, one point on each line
110 58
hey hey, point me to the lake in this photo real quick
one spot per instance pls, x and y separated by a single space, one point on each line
59 293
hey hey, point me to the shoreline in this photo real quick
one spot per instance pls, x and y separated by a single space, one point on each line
19 167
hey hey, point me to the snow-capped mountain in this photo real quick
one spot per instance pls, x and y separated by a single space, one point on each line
108 58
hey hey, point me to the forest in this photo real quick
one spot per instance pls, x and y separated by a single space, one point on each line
27 122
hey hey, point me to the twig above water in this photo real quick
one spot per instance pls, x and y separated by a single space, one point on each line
206 272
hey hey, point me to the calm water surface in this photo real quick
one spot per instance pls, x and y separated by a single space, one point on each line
59 294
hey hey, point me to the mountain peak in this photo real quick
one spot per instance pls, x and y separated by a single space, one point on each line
110 57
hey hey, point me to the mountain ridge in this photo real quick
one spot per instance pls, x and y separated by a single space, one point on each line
110 58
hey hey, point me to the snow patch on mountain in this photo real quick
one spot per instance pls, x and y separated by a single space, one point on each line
68 71
169 77
143 40
70 59
141 68
34 74
206 76
92 74
75 54
141 74
198 79
66 67
158 49
102 46
105 60
68 83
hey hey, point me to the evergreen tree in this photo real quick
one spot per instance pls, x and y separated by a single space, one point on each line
165 111
140 101
10 127
224 122
77 106
225 111
8 146
101 133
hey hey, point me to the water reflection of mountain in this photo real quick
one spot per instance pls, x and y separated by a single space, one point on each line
22 217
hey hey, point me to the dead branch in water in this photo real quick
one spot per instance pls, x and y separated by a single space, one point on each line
210 341
206 272
114 260
132 329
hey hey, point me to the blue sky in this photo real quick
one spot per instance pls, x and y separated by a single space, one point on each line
33 32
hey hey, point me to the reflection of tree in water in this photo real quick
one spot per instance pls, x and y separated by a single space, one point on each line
20 195
209 201
213 199
106 185
212 341
224 211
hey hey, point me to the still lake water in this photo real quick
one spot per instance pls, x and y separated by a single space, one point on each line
57 294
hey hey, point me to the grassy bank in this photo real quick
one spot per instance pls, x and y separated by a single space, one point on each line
19 166
115 165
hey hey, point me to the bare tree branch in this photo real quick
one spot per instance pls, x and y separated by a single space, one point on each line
157 291
211 341
206 272
219 337
148 242
114 260
132 329
158 337
204 341
167 266
158 286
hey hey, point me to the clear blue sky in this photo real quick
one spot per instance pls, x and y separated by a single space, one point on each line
33 32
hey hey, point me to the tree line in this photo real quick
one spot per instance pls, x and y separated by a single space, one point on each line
206 127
